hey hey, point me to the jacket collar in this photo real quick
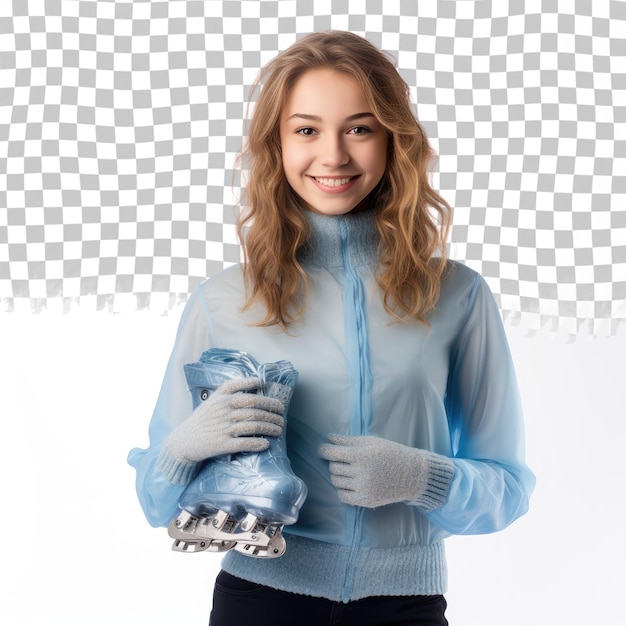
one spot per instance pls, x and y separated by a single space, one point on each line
352 236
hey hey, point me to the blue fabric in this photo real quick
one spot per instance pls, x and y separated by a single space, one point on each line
448 387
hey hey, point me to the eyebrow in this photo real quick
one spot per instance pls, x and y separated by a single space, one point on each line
317 118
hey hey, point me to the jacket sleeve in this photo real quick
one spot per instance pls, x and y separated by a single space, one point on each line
158 496
491 485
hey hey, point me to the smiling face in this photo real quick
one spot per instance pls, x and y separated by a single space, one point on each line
334 151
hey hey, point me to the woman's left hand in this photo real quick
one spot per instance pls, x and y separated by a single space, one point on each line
371 472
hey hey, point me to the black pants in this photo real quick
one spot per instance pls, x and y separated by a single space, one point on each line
237 601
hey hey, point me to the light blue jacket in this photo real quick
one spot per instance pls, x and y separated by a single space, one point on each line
449 388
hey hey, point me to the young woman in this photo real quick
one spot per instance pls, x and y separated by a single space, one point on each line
405 423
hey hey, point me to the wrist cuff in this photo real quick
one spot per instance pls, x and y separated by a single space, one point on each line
440 470
176 471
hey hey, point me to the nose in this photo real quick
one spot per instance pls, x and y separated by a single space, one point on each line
334 152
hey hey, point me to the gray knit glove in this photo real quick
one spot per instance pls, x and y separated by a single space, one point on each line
372 472
228 422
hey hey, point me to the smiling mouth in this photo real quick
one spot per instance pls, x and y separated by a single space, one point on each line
333 182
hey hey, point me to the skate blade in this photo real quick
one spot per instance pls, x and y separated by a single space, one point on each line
186 545
221 532
276 547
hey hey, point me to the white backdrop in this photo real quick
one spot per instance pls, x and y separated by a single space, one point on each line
77 394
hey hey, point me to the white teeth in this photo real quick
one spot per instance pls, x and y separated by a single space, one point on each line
333 182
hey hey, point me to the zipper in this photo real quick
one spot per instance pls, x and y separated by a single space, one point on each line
355 320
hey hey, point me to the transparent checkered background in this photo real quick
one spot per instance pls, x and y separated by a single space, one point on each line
120 121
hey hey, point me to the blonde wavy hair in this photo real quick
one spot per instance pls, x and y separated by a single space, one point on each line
412 219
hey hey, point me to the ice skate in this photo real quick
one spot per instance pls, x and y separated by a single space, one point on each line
240 501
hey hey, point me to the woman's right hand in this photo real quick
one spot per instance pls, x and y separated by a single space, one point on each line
229 421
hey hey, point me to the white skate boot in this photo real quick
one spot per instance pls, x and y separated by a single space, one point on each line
240 501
